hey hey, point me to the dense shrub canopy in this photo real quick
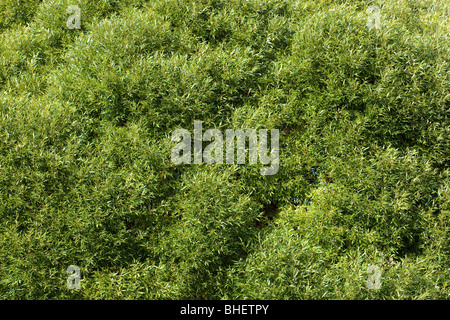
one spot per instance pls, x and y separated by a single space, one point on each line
86 178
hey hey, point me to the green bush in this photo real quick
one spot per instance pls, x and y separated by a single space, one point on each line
86 178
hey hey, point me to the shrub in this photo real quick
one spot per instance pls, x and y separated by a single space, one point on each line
86 177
